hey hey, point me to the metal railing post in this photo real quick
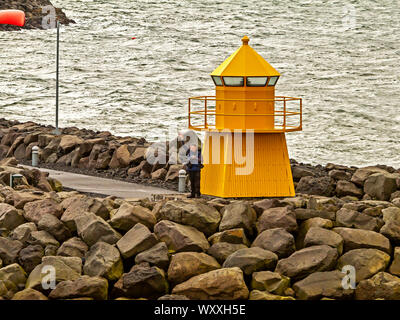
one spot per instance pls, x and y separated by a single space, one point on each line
189 113
205 113
301 113
284 114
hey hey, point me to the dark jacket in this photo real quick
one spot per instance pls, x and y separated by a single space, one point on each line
194 162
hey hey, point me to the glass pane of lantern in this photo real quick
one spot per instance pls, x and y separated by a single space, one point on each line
272 81
234 81
256 81
217 80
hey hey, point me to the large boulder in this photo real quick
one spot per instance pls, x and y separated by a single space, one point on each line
92 229
10 217
235 236
366 262
320 236
391 228
9 250
159 174
121 157
73 247
238 215
30 257
347 188
66 268
270 281
308 260
34 211
42 238
157 256
14 274
22 232
23 197
354 219
358 239
391 214
55 227
136 240
180 238
222 250
307 213
340 175
381 286
103 260
319 285
380 185
77 206
282 217
68 143
85 286
392 231
277 240
362 174
185 265
220 284
251 260
322 186
193 213
307 225
264 204
86 146
395 266
139 154
142 281
29 294
128 215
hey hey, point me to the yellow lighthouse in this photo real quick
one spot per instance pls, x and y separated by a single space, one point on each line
245 152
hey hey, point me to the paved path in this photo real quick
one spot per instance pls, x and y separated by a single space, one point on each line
104 186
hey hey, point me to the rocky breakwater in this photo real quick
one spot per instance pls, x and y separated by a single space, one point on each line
35 12
270 249
90 152
137 160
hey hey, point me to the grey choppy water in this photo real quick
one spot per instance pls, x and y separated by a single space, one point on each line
342 57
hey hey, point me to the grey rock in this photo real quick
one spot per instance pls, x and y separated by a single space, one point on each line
366 262
180 238
277 240
250 260
136 240
157 256
103 260
306 261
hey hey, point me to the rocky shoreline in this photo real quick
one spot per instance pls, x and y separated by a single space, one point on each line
33 13
258 249
132 159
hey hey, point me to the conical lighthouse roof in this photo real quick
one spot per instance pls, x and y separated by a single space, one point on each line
245 62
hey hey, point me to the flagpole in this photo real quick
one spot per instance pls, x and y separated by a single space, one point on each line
57 131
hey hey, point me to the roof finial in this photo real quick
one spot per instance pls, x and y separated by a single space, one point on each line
245 40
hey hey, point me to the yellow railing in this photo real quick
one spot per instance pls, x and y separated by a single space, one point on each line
281 111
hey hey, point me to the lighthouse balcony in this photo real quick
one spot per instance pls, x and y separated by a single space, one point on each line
278 115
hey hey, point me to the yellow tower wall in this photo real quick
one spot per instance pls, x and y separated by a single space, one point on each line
236 104
271 174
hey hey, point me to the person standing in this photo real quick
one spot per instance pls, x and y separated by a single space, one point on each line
193 165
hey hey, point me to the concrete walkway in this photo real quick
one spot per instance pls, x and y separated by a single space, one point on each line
109 187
